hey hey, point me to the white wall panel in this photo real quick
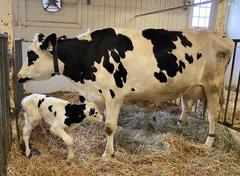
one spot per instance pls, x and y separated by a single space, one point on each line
76 16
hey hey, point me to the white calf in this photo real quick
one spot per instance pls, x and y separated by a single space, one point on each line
59 114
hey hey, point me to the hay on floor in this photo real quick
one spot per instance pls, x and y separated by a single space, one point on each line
147 143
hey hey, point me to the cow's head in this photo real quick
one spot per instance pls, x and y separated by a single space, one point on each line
39 62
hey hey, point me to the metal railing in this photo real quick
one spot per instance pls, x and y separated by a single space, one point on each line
5 129
225 120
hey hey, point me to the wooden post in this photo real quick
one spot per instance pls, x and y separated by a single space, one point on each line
18 92
6 21
5 133
221 16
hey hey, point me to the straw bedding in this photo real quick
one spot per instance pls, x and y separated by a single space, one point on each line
147 141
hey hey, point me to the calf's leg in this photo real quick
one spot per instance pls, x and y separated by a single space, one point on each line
68 140
112 112
27 129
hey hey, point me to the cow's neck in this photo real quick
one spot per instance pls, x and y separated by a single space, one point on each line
78 66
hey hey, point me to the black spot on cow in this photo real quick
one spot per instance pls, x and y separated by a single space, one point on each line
100 90
112 93
32 56
189 58
50 108
74 113
163 45
120 76
82 99
92 111
182 64
115 56
107 64
161 76
132 89
47 96
40 102
79 56
199 55
55 113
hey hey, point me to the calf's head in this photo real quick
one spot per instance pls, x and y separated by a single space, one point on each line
39 62
93 114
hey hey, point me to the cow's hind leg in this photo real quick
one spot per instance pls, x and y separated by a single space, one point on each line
112 112
186 105
213 108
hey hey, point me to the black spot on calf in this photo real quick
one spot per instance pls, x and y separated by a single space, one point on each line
82 99
74 113
50 108
92 111
100 90
32 56
132 89
55 113
40 102
112 93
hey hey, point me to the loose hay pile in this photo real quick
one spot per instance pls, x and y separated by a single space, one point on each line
147 143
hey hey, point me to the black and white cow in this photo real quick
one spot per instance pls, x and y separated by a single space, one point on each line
110 65
59 114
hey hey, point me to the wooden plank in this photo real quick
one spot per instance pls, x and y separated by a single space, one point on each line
4 105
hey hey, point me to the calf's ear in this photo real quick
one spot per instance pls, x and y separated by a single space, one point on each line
49 42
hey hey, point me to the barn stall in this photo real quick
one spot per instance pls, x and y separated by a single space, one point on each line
148 141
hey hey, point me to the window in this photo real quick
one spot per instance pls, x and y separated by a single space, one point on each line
52 5
201 14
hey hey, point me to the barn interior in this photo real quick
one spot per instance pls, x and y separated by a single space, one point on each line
148 140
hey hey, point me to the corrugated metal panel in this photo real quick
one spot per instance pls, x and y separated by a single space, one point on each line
99 14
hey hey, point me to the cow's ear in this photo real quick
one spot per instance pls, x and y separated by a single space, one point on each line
49 42
38 37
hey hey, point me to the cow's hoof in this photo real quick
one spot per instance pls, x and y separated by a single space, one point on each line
107 157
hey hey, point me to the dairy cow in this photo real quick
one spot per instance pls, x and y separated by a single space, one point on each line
111 65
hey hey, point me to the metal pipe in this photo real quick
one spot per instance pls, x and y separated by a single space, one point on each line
230 81
173 8
236 98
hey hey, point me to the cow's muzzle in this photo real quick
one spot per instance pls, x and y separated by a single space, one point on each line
23 80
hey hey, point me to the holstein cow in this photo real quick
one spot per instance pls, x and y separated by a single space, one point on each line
110 65
59 114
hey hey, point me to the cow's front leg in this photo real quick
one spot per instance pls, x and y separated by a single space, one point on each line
112 112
